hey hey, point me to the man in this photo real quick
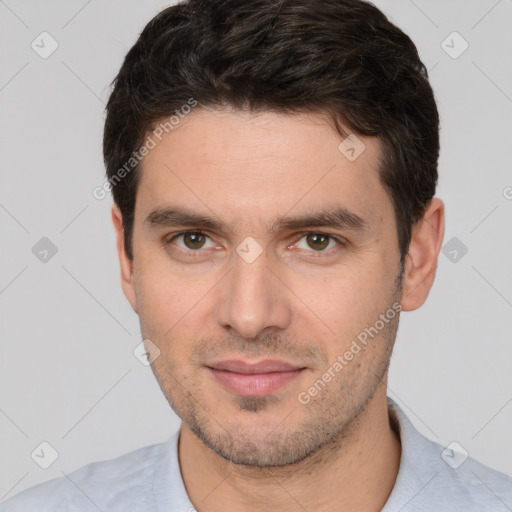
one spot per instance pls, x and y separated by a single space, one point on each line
273 166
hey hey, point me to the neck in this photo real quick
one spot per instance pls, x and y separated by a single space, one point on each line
355 472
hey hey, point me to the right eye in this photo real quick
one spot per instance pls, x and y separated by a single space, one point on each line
191 241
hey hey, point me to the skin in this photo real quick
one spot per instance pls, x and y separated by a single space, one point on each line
303 300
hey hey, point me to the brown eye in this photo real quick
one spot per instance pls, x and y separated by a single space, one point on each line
194 240
318 241
191 241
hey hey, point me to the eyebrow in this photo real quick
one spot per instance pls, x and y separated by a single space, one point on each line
337 217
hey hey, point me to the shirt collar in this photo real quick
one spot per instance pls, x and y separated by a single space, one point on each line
168 486
418 459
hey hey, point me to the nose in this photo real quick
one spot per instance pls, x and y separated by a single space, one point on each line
253 299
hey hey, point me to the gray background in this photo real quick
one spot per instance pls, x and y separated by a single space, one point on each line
68 374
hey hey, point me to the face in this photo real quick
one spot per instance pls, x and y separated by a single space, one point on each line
262 257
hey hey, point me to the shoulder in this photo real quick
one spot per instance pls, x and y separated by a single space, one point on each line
435 477
458 478
123 483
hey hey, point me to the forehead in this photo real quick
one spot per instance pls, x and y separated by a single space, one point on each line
247 167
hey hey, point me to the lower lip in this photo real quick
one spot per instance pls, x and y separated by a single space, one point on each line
254 384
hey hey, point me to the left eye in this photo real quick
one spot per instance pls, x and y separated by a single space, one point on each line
317 241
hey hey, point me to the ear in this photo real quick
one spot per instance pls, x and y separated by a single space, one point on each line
421 260
127 277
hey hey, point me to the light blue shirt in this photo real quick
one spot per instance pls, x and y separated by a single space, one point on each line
430 478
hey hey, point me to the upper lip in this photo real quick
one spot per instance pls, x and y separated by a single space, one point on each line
265 366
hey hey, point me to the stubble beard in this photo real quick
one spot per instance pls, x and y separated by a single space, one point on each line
332 417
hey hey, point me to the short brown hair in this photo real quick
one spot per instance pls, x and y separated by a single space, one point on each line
339 57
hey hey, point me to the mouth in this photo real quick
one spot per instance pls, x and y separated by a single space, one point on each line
254 379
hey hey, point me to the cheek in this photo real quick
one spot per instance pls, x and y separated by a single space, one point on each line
349 299
174 313
163 302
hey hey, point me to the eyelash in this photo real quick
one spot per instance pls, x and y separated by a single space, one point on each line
195 253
